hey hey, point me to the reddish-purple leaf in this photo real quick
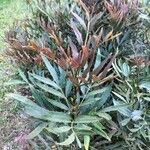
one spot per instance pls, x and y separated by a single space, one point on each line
77 33
74 49
101 65
81 21
73 79
108 66
62 63
84 53
94 20
85 9
87 70
63 53
75 63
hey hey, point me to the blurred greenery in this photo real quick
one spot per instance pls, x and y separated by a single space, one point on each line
10 11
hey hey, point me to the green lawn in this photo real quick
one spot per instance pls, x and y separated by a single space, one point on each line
10 11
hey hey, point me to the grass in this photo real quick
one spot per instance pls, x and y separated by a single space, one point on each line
10 11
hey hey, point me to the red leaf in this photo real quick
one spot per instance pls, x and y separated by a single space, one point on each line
63 53
73 79
84 53
62 63
48 52
75 63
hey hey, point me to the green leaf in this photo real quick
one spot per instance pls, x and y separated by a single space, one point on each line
78 142
58 130
98 58
116 68
21 99
114 108
98 101
125 121
52 116
68 141
14 82
93 93
104 115
68 88
89 101
86 142
23 75
125 69
46 81
126 34
104 97
37 131
119 96
38 96
98 130
82 127
145 85
38 112
122 110
85 8
62 129
51 90
136 115
51 69
134 130
86 119
58 104
147 99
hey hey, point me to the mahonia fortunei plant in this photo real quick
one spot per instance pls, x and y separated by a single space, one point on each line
72 99
82 70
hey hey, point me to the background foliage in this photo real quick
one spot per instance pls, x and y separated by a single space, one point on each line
10 11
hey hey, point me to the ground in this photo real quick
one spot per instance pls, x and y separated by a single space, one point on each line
10 118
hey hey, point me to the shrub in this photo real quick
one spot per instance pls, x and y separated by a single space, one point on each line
87 96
